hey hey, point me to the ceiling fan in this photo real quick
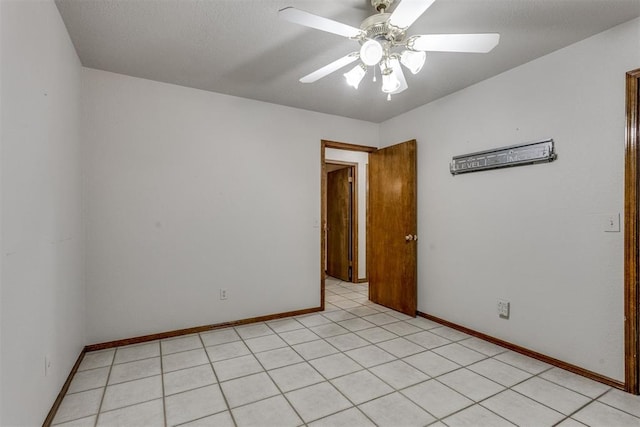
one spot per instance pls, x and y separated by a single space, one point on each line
384 43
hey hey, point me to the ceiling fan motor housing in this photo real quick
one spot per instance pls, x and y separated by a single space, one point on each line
377 27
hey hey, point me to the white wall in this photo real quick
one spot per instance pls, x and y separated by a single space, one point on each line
530 234
190 191
42 285
362 159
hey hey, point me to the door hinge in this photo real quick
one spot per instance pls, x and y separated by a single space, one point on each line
350 179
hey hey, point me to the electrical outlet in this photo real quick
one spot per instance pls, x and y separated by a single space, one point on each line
47 365
223 294
503 308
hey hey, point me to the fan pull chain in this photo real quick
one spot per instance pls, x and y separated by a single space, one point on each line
389 97
374 74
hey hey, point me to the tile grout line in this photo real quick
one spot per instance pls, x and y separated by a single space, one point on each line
215 375
104 393
164 404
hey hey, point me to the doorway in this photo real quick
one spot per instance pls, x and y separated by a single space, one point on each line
391 261
341 230
353 155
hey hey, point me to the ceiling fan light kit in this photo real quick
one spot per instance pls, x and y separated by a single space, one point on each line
383 43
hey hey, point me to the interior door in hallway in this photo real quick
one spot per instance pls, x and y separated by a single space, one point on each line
392 227
339 199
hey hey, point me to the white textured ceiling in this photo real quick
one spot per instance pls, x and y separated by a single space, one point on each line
240 47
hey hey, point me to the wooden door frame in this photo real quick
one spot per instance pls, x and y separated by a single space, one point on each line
631 223
354 216
323 199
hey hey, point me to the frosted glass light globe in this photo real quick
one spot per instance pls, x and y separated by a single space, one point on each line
371 52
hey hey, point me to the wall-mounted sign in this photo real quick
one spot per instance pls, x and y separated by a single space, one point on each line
515 155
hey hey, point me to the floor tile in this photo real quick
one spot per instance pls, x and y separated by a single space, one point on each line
221 336
334 298
370 356
274 411
146 414
521 410
428 340
363 311
86 380
313 320
339 315
137 352
227 351
476 416
449 333
253 331
380 319
79 405
431 363
570 422
132 392
461 355
329 330
221 419
317 401
268 342
295 376
575 382
248 389
482 346
174 345
470 384
314 349
500 372
188 379
347 341
347 304
185 359
278 358
402 328
194 404
599 414
352 417
523 362
356 324
399 374
134 370
298 336
436 398
405 413
362 386
554 396
236 367
96 359
376 334
82 422
335 365
624 401
400 347
399 316
285 325
423 323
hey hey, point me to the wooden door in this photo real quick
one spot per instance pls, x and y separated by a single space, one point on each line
338 221
392 228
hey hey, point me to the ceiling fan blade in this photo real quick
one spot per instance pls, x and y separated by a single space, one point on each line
307 19
408 11
471 43
330 68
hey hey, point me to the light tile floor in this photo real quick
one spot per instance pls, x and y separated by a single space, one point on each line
355 364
